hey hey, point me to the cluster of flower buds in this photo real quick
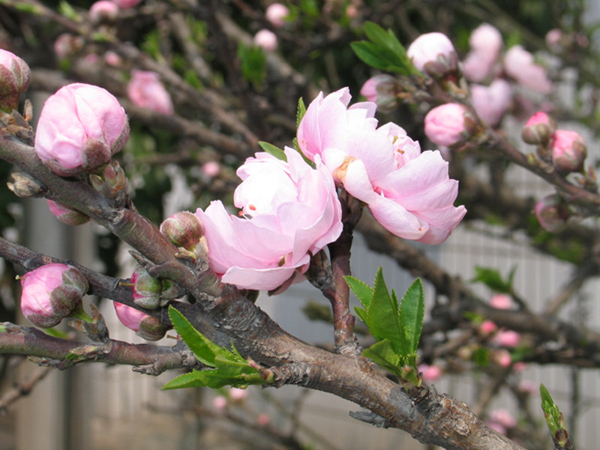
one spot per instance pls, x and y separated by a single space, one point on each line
14 79
51 293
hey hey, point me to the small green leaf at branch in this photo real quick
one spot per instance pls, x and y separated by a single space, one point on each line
228 366
492 279
384 51
554 420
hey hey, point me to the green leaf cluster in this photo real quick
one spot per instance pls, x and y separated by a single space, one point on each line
384 52
229 367
492 279
253 64
396 326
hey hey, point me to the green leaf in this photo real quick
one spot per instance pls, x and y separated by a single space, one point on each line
383 316
384 51
300 111
225 367
362 290
253 61
411 315
492 279
551 411
273 150
383 353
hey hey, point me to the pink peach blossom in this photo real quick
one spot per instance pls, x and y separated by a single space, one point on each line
146 91
539 128
501 301
519 64
381 89
507 338
407 191
491 102
503 417
289 211
487 327
266 39
80 128
430 373
276 14
104 10
126 4
486 43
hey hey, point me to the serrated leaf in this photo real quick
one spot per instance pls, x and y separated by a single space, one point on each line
383 354
300 111
383 316
184 381
273 150
362 290
230 368
412 314
204 349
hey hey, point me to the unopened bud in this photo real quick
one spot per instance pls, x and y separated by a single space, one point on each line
24 185
449 125
383 90
145 326
568 151
146 289
104 11
552 212
14 79
539 129
66 214
434 55
51 293
183 229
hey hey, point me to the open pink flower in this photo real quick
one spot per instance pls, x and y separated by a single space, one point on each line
407 191
146 91
289 211
80 128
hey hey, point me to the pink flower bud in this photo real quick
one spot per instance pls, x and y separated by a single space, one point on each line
381 89
501 357
113 59
220 403
491 102
519 64
145 326
433 54
503 417
552 213
126 4
80 128
238 395
486 38
448 124
266 39
51 293
211 169
528 387
146 91
430 373
539 129
67 45
553 38
276 14
263 420
104 11
568 151
519 366
487 327
501 301
67 215
496 427
507 338
183 229
14 79
146 289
